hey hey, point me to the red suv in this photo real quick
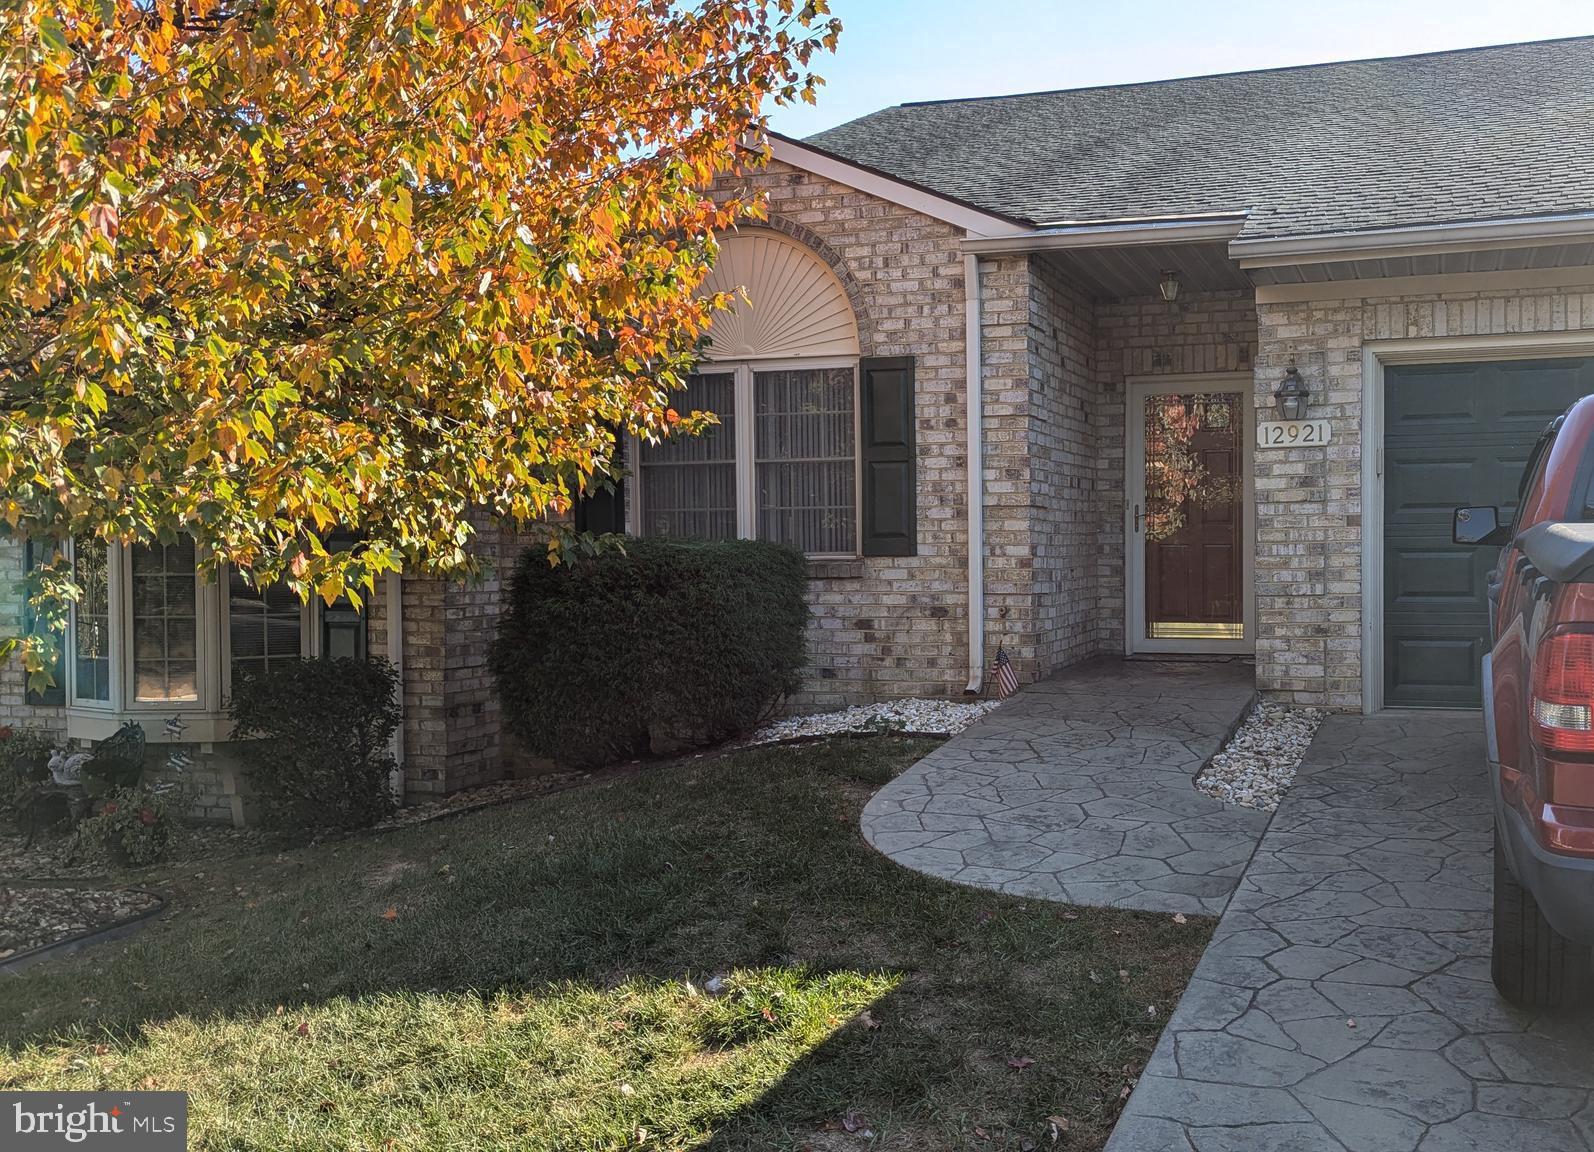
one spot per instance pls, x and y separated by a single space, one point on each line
1538 709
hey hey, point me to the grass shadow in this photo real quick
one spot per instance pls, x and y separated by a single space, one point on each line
513 971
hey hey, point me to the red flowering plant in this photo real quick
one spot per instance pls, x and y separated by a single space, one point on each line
137 826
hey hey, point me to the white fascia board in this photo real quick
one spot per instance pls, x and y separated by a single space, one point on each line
1424 240
1124 234
972 220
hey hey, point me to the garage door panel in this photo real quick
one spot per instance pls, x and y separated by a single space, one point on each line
1439 578
1455 434
1438 668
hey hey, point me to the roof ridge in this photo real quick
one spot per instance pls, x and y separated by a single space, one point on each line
1472 50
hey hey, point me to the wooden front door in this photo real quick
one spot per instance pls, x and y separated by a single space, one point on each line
1189 537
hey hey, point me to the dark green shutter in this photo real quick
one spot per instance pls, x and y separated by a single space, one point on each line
890 508
39 553
602 510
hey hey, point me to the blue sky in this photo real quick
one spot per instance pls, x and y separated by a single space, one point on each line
894 51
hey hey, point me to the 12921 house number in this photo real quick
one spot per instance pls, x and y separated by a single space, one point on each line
1292 433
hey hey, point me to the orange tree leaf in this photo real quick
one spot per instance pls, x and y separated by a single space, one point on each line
397 266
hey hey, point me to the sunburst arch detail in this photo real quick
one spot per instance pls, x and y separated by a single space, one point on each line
794 306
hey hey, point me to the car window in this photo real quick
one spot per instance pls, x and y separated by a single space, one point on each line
1530 489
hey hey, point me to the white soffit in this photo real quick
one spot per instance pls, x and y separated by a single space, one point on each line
793 305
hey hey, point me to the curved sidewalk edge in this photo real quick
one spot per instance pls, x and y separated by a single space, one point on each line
1080 789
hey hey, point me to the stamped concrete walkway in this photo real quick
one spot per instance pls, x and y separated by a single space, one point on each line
1080 790
1345 1003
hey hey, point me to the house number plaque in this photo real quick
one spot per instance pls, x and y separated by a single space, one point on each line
1292 433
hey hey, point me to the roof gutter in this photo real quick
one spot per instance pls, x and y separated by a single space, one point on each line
1115 234
1422 240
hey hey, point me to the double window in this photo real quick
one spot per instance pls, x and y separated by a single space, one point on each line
781 464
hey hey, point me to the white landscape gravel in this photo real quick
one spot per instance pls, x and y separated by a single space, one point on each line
913 717
1258 764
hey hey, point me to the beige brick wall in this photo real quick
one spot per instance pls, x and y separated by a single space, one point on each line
1309 501
887 627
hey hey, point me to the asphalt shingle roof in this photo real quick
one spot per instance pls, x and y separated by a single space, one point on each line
1480 134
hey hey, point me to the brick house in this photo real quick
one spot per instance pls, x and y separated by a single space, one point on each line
1199 366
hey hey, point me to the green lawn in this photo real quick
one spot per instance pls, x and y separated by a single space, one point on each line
533 977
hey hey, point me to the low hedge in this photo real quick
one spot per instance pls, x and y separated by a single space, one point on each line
664 646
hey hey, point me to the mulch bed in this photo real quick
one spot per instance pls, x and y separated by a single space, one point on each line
33 916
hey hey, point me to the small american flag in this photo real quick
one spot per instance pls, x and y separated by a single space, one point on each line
1006 679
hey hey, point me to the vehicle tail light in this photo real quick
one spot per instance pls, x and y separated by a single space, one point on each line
1563 692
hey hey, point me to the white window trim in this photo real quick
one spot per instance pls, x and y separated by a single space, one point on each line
746 447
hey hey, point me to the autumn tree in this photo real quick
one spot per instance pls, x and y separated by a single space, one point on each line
273 266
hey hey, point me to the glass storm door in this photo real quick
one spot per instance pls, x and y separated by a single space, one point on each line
1189 535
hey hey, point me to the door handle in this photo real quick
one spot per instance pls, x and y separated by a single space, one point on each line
1137 519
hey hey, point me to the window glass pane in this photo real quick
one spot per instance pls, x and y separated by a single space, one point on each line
40 554
91 621
689 482
165 622
262 626
805 459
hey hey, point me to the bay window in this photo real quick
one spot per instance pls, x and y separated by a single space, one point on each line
151 634
781 465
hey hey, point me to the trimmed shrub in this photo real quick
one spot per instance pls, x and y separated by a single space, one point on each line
664 646
317 734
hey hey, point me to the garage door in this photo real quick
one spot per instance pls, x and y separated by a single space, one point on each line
1454 434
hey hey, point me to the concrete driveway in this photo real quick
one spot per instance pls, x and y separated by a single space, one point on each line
1345 1002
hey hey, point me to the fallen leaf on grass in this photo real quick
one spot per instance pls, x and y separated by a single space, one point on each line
1056 1125
1019 1063
391 913
304 1028
854 1123
1180 918
868 1021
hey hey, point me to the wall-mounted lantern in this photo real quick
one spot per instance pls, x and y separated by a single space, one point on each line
1169 286
1291 395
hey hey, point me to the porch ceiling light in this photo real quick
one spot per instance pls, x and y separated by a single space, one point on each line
1169 286
1291 395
